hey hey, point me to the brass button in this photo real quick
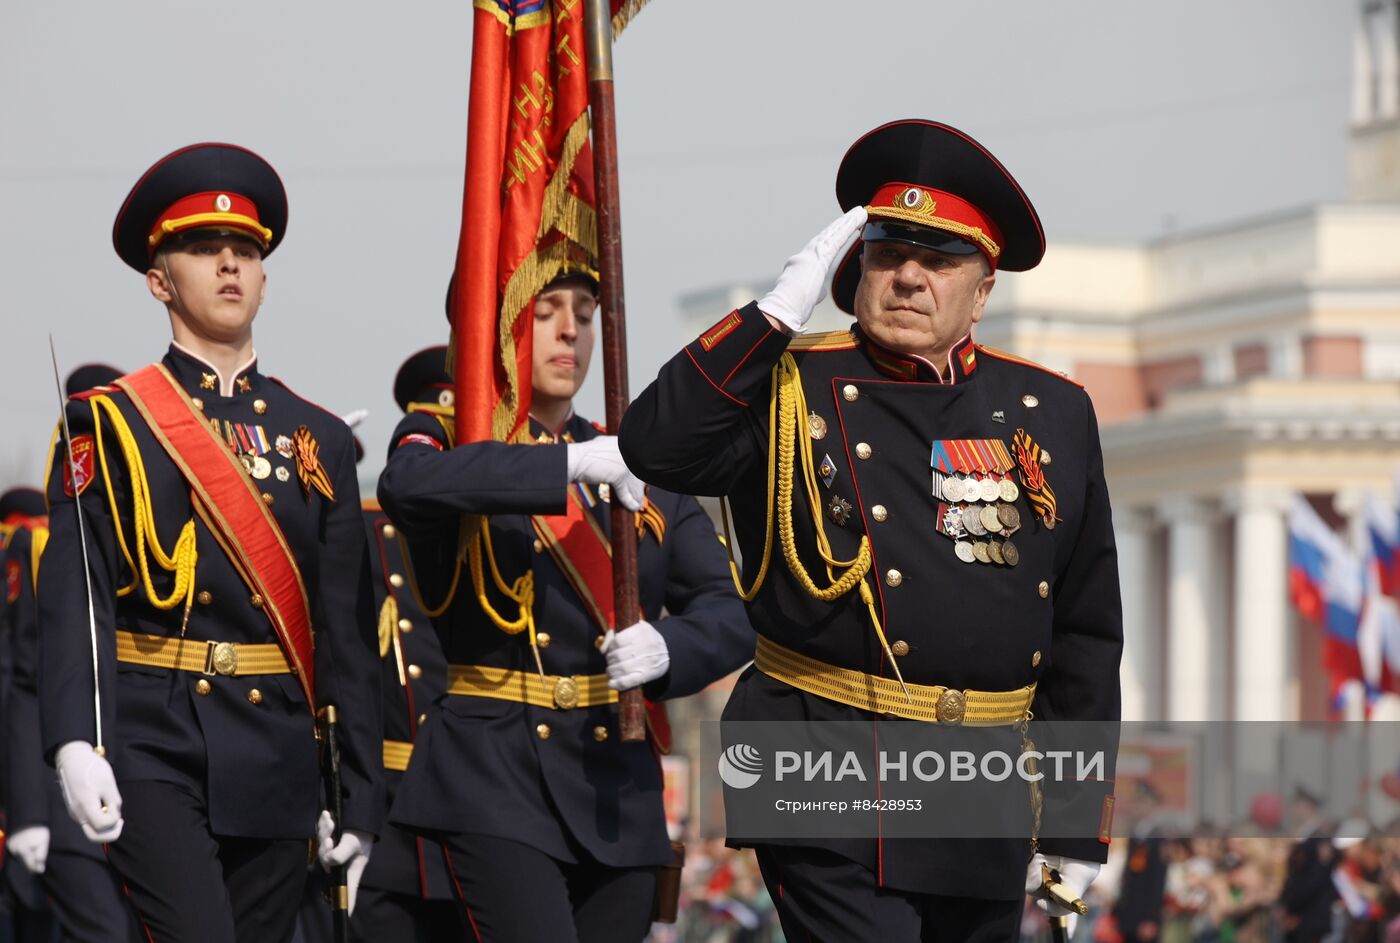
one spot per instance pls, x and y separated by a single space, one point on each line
1043 589
256 601
388 531
202 687
893 577
415 672
205 597
1035 660
422 719
862 450
900 648
405 625
879 513
850 393
542 731
542 639
600 734
255 696
259 406
198 403
598 642
1030 401
268 498
539 546
395 580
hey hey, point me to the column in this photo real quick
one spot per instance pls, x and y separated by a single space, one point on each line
1139 576
1264 644
1196 615
1362 74
1387 63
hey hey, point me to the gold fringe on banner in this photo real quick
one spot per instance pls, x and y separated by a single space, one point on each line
624 14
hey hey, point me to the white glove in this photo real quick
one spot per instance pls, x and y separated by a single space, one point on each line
31 846
90 791
803 281
598 462
353 851
635 656
1075 876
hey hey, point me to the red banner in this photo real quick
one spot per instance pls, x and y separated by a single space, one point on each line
527 205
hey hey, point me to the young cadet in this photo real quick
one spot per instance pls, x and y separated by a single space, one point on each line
937 567
87 899
554 827
226 597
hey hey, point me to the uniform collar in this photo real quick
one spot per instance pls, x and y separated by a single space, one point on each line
201 378
961 365
567 432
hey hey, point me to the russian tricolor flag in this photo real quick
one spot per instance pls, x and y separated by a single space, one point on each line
1325 582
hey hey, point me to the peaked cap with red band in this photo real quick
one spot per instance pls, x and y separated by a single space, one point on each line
422 378
931 185
22 502
203 186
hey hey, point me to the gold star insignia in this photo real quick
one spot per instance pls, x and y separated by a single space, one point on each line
207 381
244 386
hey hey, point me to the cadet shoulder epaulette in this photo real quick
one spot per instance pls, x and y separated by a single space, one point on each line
602 429
316 406
1012 358
95 391
825 340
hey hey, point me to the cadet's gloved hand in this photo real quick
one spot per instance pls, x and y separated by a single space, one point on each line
803 281
31 846
598 462
1075 876
352 850
89 791
635 656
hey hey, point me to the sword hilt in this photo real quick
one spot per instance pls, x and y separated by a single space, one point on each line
1056 891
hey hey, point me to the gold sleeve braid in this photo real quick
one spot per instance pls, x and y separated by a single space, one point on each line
786 405
181 562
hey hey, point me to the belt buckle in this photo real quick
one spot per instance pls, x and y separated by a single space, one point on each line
952 706
221 659
566 694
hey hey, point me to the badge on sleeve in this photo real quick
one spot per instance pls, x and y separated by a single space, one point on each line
13 578
82 466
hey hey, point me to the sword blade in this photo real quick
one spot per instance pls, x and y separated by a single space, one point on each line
82 543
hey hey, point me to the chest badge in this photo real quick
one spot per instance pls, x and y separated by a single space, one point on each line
975 499
839 510
310 472
1029 458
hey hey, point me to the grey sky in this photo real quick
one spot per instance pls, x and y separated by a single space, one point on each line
1121 119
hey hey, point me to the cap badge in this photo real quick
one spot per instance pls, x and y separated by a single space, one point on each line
917 201
222 203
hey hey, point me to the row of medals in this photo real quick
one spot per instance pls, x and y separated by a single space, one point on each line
981 509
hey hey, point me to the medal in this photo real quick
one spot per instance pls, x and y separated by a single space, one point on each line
987 489
1009 553
994 551
283 474
988 516
953 489
972 520
964 551
262 468
827 469
953 523
1008 515
816 426
1008 490
979 550
284 446
839 510
247 459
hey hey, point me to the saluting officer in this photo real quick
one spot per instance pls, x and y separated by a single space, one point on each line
554 827
86 897
941 552
228 583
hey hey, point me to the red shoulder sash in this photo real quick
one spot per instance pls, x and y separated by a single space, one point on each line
225 498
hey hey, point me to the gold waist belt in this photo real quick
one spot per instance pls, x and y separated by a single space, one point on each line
933 703
525 687
397 754
211 658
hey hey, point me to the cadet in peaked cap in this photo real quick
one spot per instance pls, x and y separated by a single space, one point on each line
1013 554
229 527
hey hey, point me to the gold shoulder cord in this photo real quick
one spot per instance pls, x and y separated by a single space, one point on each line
474 545
181 561
790 403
